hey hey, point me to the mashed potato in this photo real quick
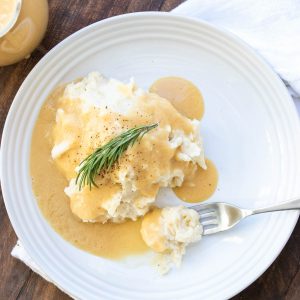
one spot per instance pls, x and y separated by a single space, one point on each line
94 110
168 231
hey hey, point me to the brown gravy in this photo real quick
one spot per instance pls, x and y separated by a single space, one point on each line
182 93
187 99
106 240
201 186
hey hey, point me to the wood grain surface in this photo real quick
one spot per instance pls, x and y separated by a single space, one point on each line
280 281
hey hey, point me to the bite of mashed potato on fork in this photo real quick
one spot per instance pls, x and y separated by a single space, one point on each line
168 231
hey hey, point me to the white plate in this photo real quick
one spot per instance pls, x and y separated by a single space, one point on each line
251 132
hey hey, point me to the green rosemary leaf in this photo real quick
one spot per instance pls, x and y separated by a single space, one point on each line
106 156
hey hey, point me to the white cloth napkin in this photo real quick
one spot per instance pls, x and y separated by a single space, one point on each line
271 27
19 252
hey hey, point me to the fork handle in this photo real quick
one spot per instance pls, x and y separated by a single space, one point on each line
288 205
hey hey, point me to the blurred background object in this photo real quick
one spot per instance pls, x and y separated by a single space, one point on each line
23 24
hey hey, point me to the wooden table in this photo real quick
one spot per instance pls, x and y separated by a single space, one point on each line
280 281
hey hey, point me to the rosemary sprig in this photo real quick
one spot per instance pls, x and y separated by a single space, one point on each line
104 157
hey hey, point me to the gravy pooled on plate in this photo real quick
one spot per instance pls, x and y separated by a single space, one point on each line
187 99
107 240
52 174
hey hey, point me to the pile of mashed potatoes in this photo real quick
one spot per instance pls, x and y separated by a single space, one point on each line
93 110
168 231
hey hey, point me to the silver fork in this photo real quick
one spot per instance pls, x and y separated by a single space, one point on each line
220 216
